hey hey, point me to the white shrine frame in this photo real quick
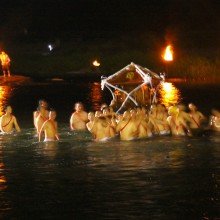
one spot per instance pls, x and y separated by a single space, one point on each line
147 80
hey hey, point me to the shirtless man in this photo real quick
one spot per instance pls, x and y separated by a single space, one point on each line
8 121
196 117
43 115
144 129
78 118
161 120
111 120
100 127
49 128
182 112
178 125
128 127
214 122
36 113
153 121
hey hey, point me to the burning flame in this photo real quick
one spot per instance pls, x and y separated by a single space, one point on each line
168 55
96 63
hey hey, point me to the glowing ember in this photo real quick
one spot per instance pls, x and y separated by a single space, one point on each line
168 55
96 63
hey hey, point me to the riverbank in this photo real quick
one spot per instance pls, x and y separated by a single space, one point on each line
22 79
76 57
215 80
14 80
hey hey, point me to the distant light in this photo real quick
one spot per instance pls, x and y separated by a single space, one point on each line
96 63
50 47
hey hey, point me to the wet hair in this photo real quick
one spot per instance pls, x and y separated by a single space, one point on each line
5 107
40 101
77 103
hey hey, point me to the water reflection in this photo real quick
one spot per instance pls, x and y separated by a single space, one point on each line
5 93
49 148
3 181
144 154
95 95
169 94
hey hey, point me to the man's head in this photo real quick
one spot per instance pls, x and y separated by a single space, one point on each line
79 106
8 108
52 114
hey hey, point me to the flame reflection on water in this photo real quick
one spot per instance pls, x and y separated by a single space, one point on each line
3 181
169 94
5 93
95 95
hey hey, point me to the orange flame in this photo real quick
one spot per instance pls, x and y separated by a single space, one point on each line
168 55
96 63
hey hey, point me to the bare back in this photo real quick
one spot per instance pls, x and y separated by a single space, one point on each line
8 122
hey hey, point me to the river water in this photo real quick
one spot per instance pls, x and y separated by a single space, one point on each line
76 178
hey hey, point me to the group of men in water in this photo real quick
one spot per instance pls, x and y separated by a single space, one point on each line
106 124
138 123
44 120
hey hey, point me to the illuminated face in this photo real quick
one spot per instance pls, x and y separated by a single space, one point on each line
9 109
98 113
192 107
78 107
91 116
105 111
43 103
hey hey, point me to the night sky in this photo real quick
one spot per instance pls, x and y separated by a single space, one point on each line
195 20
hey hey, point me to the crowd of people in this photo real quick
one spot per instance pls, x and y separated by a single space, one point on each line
138 123
105 124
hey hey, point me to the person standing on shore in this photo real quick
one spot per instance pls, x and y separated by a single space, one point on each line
5 62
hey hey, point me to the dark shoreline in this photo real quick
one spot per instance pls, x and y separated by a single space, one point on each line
20 79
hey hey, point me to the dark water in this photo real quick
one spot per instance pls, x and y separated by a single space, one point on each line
76 178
